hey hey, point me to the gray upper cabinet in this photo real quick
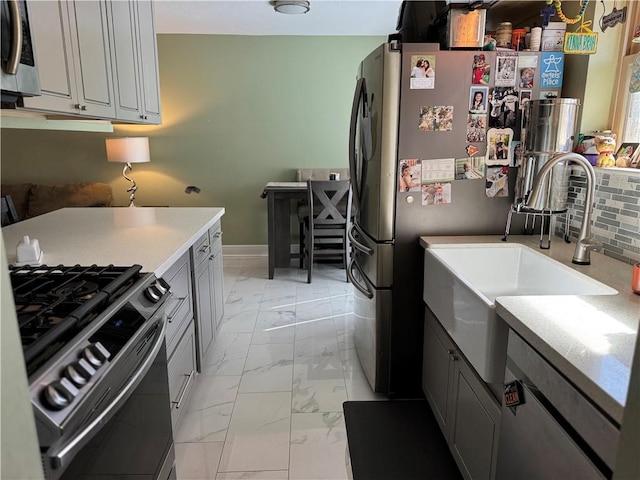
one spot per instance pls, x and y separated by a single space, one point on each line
97 60
72 48
135 64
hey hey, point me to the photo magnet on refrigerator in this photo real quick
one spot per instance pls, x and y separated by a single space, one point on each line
469 168
499 146
423 72
506 69
551 68
481 70
497 182
436 118
476 128
409 175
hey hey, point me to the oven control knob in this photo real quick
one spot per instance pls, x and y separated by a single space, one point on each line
153 293
95 354
56 396
77 373
162 286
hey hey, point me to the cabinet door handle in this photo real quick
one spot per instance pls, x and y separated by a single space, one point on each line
184 389
76 106
181 300
83 107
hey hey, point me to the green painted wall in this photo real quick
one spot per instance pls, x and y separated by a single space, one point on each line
238 111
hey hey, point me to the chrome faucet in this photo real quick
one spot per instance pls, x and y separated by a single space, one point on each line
537 199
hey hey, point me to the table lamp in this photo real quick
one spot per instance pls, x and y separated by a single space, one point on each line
128 150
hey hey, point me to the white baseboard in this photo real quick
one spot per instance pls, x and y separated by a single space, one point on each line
251 250
244 250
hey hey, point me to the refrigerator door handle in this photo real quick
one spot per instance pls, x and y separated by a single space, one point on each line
359 246
361 288
359 97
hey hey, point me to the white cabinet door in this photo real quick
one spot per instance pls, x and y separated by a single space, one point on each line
54 55
92 59
148 48
97 59
73 56
135 62
125 58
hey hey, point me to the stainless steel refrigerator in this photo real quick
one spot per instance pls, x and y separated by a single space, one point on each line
400 117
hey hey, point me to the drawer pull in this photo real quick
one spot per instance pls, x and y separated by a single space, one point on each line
181 300
204 248
217 234
184 389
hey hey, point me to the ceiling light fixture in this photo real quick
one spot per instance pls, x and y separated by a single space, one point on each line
291 6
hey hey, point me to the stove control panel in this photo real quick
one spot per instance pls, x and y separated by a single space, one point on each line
60 393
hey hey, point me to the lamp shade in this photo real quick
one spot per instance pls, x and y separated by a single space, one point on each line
128 149
291 6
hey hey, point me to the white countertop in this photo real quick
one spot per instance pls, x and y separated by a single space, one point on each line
590 339
152 237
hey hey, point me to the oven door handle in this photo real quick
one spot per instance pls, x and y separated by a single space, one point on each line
16 38
60 455
361 288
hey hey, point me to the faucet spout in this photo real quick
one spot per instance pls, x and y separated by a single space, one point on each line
585 244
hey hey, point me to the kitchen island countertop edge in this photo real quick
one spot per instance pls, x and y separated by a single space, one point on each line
154 237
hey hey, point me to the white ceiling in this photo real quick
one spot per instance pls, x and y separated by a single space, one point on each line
257 17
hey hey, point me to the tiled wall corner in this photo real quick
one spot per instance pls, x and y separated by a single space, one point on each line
616 212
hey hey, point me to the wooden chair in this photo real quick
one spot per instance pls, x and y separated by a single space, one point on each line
9 214
328 222
302 175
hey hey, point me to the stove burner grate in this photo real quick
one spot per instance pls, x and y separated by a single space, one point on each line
54 304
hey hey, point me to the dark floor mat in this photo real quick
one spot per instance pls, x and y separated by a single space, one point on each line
397 439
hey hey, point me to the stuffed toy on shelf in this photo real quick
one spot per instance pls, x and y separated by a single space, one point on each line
606 146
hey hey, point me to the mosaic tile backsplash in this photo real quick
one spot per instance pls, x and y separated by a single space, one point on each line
616 211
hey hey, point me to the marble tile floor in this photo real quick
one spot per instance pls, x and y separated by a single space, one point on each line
268 402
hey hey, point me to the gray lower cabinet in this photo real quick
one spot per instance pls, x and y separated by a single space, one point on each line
182 373
465 409
207 276
218 274
180 336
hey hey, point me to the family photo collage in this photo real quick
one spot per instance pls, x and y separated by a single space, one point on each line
493 121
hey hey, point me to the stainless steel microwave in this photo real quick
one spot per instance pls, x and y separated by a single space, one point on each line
19 69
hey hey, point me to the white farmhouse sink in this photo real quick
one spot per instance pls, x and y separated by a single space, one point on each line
462 281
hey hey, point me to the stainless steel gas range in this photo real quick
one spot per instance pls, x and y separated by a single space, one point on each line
94 346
